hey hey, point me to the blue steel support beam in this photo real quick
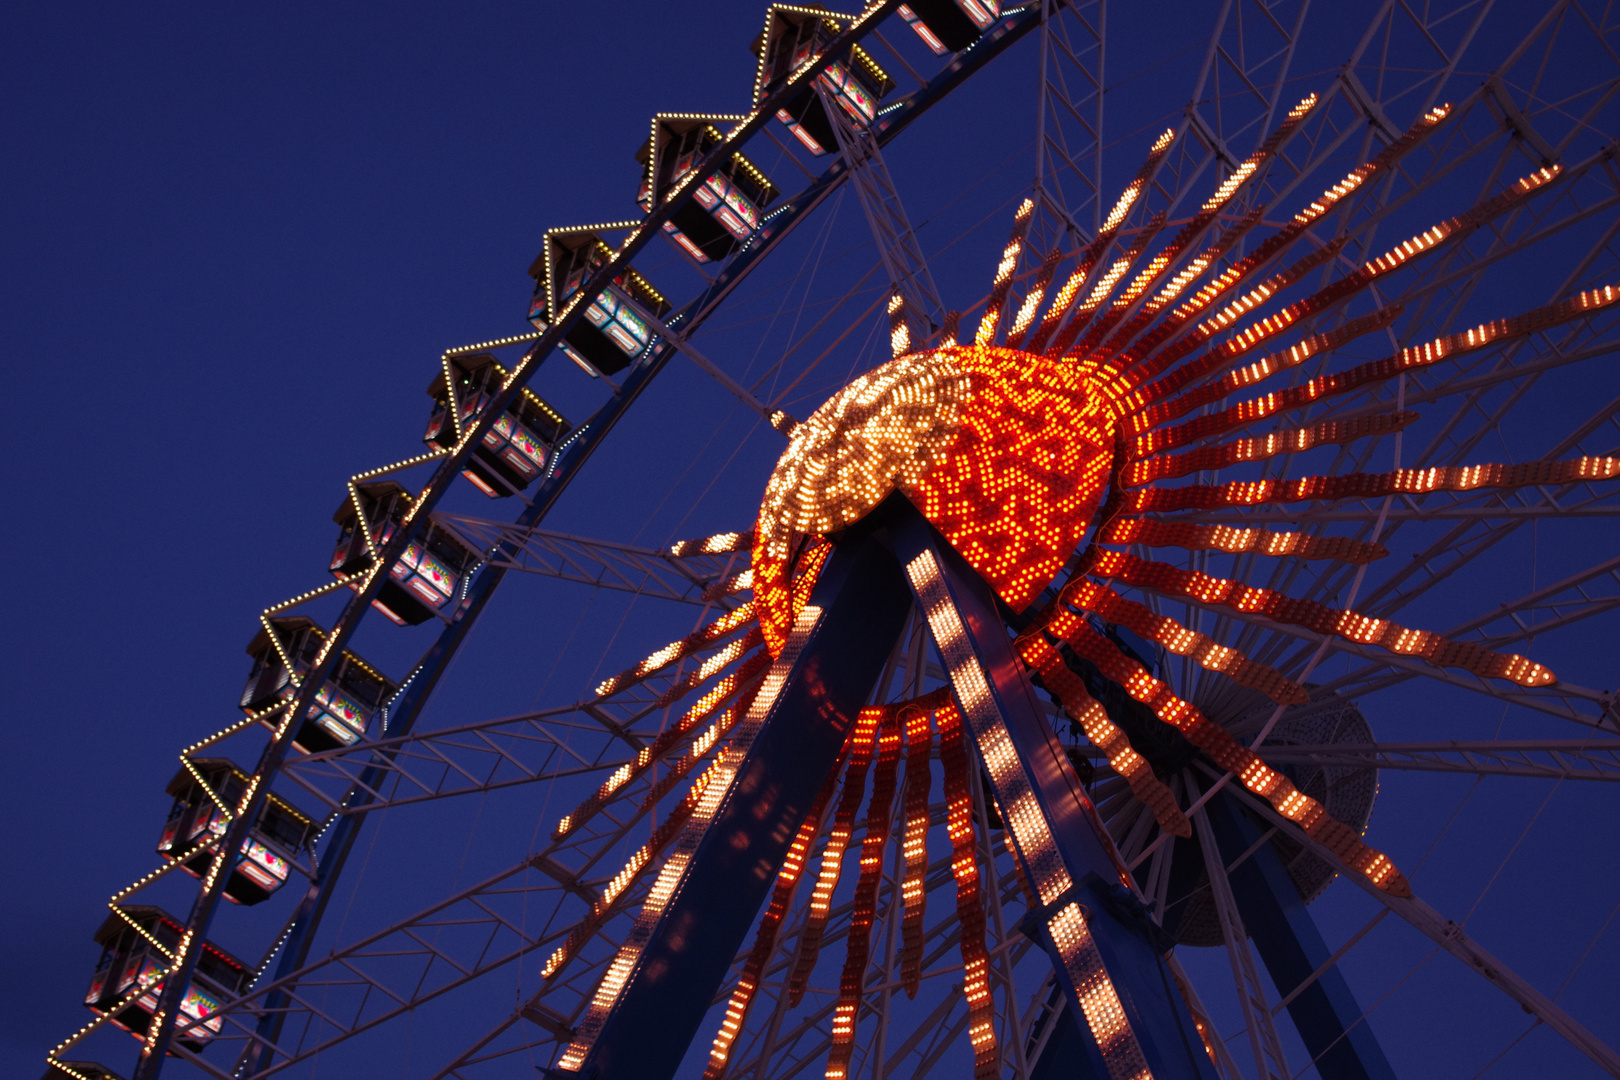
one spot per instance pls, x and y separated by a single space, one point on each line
689 949
424 677
1329 1021
993 693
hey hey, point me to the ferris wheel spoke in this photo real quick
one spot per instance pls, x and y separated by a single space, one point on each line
766 1038
1559 605
386 975
1255 54
1569 759
1583 595
920 307
599 563
473 913
479 756
1450 936
1465 542
502 752
1068 155
1562 699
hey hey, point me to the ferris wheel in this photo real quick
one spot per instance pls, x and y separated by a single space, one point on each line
1082 686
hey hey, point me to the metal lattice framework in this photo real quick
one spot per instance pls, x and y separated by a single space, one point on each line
530 944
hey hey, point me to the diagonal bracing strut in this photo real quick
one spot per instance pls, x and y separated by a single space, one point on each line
896 241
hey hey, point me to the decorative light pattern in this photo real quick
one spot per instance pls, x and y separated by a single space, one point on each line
914 844
719 779
1091 596
730 586
787 883
1105 236
1225 538
1185 276
1287 441
1349 625
899 332
858 938
1041 657
1032 302
737 683
1105 285
1099 1001
1237 759
712 665
1019 484
1187 234
1009 454
843 460
1293 356
718 544
1282 239
1031 833
696 641
1373 485
1005 453
986 333
1325 386
969 904
862 743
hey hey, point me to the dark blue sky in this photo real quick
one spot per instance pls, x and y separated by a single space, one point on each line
235 242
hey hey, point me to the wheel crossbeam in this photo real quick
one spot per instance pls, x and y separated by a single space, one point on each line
600 563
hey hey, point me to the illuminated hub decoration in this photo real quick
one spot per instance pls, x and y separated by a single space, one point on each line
728 204
948 26
1039 452
423 582
204 790
1005 453
796 36
343 707
610 335
137 944
515 451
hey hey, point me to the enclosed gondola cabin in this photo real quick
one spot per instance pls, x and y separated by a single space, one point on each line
346 703
195 817
424 580
793 37
609 335
948 26
725 209
129 976
515 450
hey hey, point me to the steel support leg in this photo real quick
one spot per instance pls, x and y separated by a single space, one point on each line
1106 951
1329 1021
655 994
1104 947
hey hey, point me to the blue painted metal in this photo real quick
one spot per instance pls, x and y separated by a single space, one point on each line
1326 1015
418 686
686 957
1130 944
1064 1045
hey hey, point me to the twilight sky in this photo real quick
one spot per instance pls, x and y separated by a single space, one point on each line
236 241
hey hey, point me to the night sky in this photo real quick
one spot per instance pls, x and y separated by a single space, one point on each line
236 241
